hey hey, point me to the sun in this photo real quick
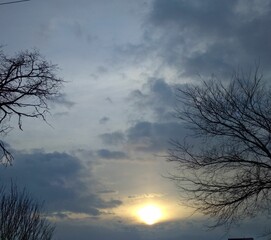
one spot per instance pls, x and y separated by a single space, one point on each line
150 214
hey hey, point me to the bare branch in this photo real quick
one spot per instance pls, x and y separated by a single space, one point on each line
229 176
21 217
27 83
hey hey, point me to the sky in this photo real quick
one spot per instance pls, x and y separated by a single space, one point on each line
102 155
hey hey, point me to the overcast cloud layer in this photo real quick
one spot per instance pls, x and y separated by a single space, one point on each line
102 152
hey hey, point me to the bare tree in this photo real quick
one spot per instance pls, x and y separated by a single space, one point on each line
21 217
227 175
27 83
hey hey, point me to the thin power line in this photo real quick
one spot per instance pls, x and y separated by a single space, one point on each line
14 2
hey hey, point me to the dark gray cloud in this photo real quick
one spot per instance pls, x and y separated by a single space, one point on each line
70 231
195 14
156 96
205 37
192 229
59 179
114 138
102 69
195 38
109 100
104 120
154 136
144 136
153 133
62 99
107 154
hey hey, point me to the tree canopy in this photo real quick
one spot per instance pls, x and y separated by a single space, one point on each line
227 174
27 83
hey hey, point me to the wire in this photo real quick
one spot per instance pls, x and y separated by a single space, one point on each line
14 2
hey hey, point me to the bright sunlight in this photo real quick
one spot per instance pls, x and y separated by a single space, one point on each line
150 214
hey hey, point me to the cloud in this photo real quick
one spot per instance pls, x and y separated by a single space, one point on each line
108 191
154 104
62 100
192 228
144 136
70 231
109 100
114 138
102 69
77 29
156 96
207 37
154 136
146 196
107 154
59 179
104 120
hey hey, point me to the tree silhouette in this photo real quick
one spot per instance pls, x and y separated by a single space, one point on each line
21 217
227 175
27 83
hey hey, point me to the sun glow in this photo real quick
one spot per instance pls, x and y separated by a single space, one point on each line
150 214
